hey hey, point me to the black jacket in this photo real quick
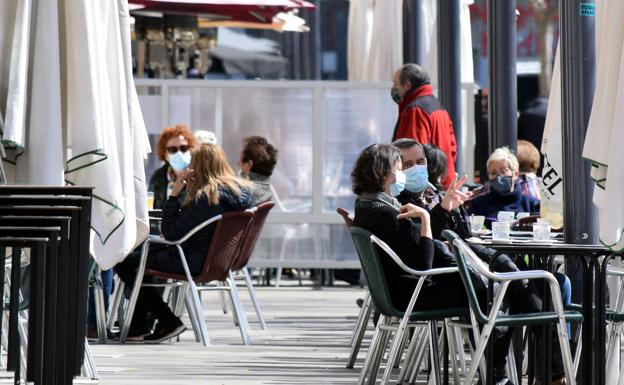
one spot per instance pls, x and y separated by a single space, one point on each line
379 216
178 222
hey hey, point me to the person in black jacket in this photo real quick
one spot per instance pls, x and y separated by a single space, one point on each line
211 188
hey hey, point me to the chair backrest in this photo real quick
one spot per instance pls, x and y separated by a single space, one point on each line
465 257
253 233
346 215
374 272
224 245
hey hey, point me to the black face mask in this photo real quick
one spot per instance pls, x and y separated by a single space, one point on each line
501 184
394 93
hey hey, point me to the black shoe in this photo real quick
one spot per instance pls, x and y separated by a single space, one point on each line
164 332
359 302
502 381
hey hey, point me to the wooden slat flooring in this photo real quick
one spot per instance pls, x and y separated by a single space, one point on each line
307 343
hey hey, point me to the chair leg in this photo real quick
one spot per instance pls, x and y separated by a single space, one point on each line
254 299
179 299
89 363
564 343
125 326
479 351
359 332
511 365
420 353
374 371
243 325
410 354
224 302
435 352
454 349
395 349
199 313
188 301
358 320
372 351
100 313
459 341
112 314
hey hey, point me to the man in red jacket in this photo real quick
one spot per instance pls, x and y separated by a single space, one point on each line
421 116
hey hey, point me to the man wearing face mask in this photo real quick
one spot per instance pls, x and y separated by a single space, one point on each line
446 210
174 149
505 194
421 116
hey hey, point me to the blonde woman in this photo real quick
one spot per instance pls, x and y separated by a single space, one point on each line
212 188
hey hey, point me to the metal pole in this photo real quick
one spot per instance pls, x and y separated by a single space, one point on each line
412 36
577 94
449 68
502 104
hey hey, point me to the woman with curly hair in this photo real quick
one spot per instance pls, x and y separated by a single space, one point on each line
174 148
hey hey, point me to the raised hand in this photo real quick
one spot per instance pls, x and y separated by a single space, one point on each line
453 198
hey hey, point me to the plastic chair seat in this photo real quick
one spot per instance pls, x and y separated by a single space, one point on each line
528 319
611 314
438 314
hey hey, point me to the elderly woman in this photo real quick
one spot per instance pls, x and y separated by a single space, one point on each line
505 189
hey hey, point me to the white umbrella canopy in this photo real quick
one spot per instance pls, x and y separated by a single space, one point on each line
105 140
360 30
386 47
604 133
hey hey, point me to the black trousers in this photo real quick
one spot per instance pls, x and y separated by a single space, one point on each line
150 300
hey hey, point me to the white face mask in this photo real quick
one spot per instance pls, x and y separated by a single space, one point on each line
180 160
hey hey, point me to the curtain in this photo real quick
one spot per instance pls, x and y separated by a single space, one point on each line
360 30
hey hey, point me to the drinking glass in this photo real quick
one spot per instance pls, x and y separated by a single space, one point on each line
506 216
476 223
541 231
500 231
150 200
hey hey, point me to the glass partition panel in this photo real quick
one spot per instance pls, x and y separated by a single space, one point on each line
193 106
305 245
353 118
285 117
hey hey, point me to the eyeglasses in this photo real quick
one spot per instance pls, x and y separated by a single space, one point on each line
173 149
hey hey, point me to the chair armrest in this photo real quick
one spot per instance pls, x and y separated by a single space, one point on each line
157 239
419 273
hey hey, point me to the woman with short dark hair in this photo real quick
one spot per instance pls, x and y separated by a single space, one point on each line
256 163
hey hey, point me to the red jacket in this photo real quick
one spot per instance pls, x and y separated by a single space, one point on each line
422 117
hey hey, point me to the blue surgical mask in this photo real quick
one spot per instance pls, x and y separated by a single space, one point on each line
180 160
501 184
417 178
398 185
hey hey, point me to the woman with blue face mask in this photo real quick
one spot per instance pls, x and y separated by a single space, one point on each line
174 149
505 191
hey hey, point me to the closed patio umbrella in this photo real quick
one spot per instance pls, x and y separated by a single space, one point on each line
605 133
80 103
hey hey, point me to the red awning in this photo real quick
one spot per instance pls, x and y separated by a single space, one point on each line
258 11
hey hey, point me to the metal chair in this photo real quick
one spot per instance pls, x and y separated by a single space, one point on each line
489 320
367 246
224 246
249 242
